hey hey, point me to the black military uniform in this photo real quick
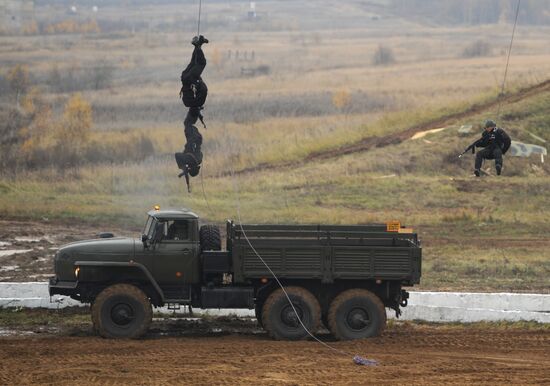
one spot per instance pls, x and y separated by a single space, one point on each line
495 142
193 94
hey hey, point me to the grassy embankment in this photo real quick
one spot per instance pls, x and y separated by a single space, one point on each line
477 234
486 234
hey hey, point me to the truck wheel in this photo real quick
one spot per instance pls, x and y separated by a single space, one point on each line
210 238
279 319
356 314
122 311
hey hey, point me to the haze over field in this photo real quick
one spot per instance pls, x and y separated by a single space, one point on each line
309 107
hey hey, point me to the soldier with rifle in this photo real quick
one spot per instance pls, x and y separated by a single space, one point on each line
495 143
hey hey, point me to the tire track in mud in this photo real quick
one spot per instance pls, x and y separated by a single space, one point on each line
411 354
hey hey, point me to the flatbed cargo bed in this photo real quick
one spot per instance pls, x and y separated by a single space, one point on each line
327 253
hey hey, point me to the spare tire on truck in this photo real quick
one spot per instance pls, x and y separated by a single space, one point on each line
122 311
210 238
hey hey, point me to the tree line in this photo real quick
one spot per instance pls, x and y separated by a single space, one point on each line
536 12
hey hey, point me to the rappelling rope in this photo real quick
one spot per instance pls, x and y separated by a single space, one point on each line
202 180
199 20
204 194
507 62
356 358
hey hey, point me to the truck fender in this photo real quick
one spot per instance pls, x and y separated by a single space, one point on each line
129 264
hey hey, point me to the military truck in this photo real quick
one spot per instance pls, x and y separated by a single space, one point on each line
342 276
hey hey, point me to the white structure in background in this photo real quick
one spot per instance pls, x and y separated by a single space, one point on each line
428 306
95 9
519 149
252 12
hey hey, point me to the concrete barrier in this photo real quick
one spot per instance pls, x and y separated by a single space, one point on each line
464 307
497 301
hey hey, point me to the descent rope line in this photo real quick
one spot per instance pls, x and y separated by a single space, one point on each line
356 358
507 61
199 21
202 180
204 194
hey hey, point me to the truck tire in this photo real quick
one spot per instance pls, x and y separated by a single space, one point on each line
122 311
210 238
279 319
356 314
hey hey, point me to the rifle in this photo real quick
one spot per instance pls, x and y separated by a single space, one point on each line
471 147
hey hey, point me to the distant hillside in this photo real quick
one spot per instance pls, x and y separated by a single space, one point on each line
523 96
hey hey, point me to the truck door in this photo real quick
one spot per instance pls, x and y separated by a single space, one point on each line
176 253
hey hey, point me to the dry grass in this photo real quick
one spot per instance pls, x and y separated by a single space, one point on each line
290 113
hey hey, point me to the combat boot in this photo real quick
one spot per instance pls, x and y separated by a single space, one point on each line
198 41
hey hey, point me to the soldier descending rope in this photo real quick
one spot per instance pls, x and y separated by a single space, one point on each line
193 94
495 142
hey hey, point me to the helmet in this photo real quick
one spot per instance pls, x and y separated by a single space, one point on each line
490 123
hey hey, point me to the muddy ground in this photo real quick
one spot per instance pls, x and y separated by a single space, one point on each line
27 247
229 351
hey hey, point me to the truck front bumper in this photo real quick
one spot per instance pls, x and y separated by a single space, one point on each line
57 287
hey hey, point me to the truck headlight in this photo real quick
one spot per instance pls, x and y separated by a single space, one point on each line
76 271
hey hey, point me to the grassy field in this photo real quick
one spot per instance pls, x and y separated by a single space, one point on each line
488 234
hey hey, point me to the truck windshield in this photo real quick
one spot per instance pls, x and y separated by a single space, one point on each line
149 227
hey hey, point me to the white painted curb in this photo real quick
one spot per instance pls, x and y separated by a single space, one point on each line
464 307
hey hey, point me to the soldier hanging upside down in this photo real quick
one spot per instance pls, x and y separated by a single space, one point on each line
193 94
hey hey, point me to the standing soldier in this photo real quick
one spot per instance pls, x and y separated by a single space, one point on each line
495 142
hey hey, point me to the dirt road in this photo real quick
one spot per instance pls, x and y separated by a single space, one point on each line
407 354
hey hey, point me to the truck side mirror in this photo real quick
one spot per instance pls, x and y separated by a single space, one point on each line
144 240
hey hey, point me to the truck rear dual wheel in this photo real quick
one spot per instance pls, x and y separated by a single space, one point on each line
122 311
280 320
356 314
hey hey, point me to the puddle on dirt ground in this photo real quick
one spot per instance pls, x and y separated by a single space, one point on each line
28 239
10 252
5 332
6 268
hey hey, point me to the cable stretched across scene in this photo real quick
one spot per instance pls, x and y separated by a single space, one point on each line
508 61
356 358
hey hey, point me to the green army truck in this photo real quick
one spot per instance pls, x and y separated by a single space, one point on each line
342 276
